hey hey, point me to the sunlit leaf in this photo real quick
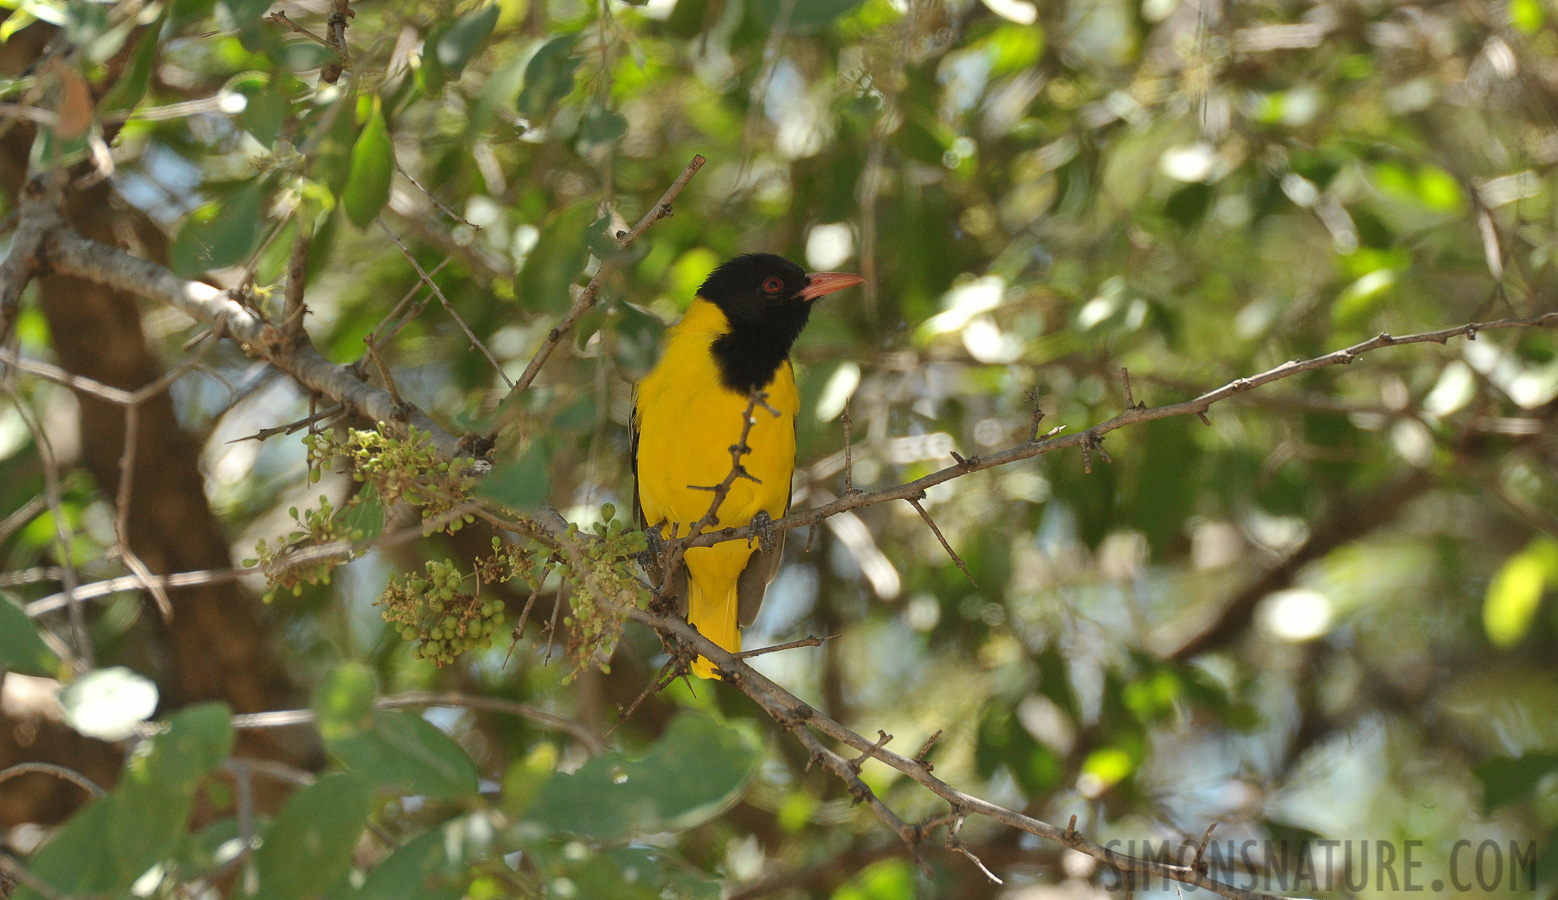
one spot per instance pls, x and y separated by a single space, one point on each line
1516 591
363 518
109 703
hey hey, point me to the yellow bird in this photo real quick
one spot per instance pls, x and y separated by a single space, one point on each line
687 412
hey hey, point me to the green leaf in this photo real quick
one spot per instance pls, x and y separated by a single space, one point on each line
221 233
601 128
557 258
1516 592
235 15
309 845
111 842
344 701
131 86
457 44
363 518
405 752
1358 302
413 873
524 483
21 648
1508 780
548 78
694 772
373 168
889 879
266 111
155 794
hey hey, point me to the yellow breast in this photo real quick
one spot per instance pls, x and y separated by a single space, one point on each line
687 421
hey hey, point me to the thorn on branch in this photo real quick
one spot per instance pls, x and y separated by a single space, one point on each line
944 545
849 460
1199 865
954 843
1071 830
881 741
1038 415
1201 414
1125 378
925 750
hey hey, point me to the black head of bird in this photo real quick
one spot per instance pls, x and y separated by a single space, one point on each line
767 301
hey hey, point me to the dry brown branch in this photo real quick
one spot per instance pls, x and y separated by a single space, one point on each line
1092 437
677 549
811 640
802 720
71 254
586 299
448 307
915 502
129 583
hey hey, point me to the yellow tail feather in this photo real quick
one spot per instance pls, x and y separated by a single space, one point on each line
715 619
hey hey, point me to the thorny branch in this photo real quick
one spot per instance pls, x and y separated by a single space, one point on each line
807 723
1091 439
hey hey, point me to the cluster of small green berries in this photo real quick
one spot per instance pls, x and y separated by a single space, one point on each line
598 605
315 526
437 612
403 469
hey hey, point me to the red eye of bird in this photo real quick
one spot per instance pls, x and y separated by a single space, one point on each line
773 284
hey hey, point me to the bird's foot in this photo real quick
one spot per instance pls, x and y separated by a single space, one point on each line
763 530
654 550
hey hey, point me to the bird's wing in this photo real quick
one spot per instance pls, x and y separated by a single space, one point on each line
638 508
759 574
679 579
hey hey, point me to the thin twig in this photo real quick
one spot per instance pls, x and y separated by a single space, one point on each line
810 640
1090 437
61 772
914 502
448 307
434 200
586 299
280 18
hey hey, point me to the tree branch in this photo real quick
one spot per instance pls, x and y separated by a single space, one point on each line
68 253
1092 437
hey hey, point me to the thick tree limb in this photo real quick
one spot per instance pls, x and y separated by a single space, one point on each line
68 253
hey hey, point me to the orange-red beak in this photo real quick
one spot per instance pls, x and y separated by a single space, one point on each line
819 283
